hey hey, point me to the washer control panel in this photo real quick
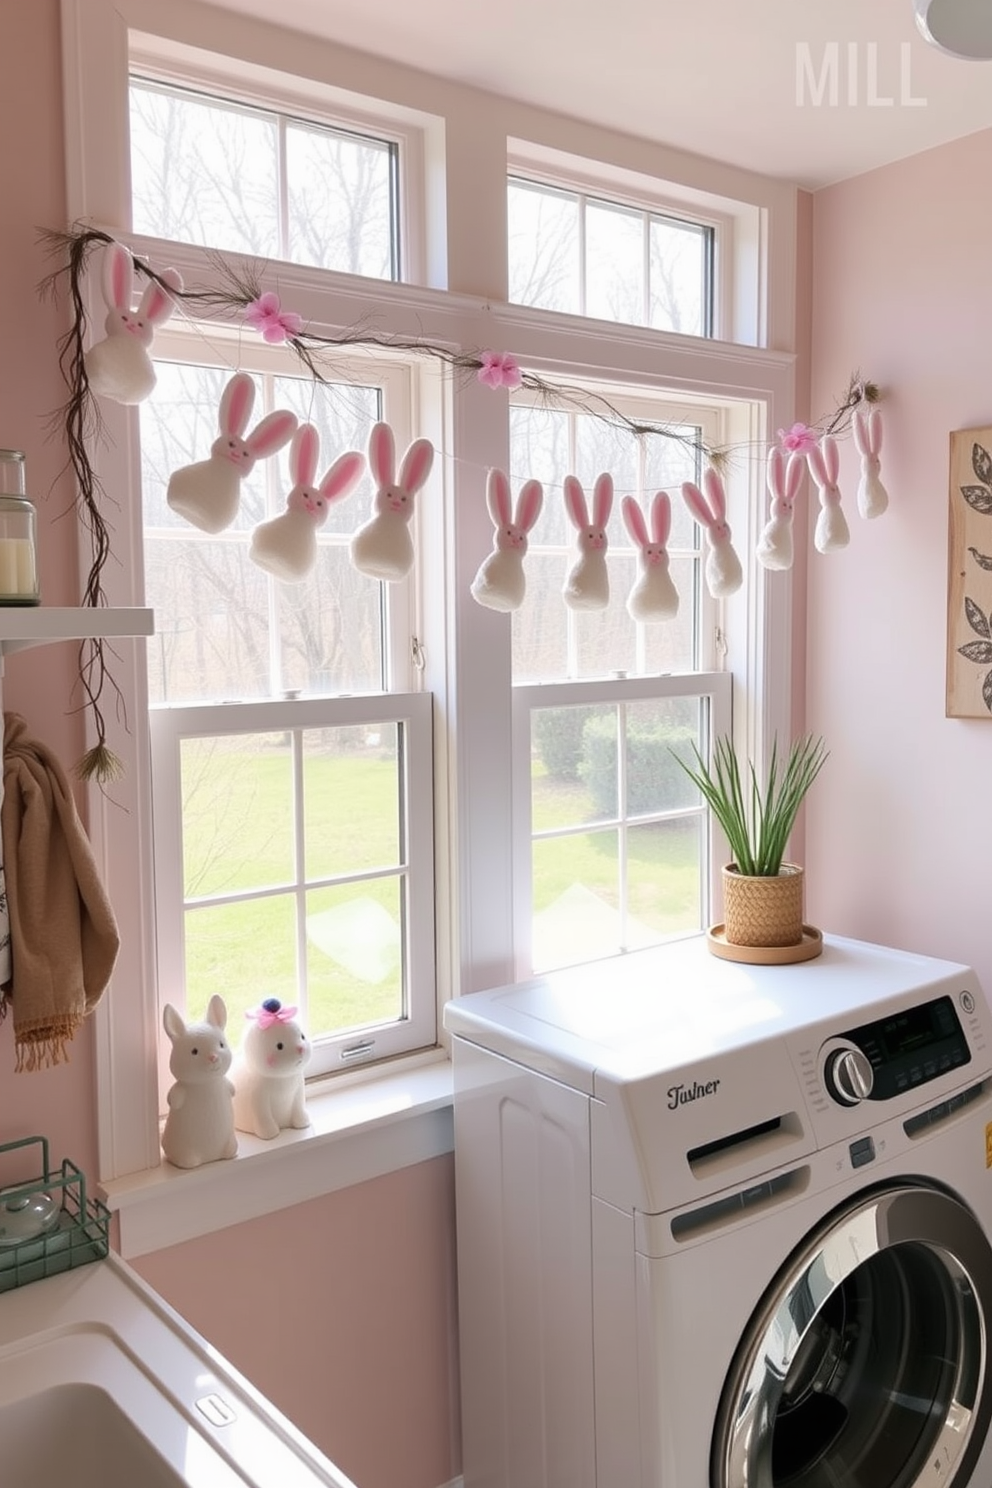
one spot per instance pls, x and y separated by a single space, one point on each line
883 1059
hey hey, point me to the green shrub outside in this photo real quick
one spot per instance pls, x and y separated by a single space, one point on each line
655 781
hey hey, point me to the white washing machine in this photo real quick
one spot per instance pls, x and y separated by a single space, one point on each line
725 1226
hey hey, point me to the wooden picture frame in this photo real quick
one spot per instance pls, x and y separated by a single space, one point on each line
969 575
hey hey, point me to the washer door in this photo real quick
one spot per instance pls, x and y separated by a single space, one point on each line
867 1363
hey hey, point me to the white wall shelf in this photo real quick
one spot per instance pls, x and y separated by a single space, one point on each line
38 625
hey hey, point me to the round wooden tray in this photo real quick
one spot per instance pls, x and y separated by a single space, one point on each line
811 945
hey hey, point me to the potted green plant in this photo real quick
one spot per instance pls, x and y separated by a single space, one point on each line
763 895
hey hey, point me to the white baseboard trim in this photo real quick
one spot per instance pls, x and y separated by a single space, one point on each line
455 1483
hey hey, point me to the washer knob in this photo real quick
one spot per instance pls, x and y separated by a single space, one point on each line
850 1077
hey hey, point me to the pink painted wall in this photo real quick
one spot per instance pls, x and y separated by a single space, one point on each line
898 829
342 1310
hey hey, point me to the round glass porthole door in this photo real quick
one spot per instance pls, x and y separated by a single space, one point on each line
867 1364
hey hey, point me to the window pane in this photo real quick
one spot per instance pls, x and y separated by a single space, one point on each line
680 277
237 802
340 201
664 878
246 952
352 789
543 247
355 955
615 263
655 731
576 899
203 171
567 787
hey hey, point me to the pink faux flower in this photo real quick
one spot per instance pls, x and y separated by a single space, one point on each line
499 369
798 439
275 325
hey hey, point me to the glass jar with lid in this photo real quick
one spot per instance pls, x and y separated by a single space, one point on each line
18 547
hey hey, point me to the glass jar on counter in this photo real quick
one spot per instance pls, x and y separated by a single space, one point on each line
18 546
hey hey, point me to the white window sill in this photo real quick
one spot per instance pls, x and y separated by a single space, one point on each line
359 1131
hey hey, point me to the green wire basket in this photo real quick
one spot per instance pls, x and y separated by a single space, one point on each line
82 1233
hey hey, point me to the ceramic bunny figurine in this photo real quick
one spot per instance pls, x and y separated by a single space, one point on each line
654 596
587 583
724 575
286 545
199 1127
207 493
269 1093
119 366
500 583
784 477
873 498
832 531
383 547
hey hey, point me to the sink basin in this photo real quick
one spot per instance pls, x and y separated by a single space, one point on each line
102 1385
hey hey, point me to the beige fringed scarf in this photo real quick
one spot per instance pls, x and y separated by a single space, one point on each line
63 935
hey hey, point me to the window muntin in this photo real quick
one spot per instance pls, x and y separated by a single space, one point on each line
249 180
584 255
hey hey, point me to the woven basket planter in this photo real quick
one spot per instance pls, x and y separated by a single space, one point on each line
763 911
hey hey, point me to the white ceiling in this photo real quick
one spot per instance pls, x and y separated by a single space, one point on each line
718 77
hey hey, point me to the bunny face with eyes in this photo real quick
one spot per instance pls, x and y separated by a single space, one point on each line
832 532
587 583
120 367
207 494
784 477
269 1090
500 583
873 498
286 545
199 1126
724 574
654 596
383 547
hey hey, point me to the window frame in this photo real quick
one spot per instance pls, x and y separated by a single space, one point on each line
466 650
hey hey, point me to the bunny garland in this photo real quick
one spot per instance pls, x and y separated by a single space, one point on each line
383 548
724 575
286 545
500 583
119 367
832 532
654 596
207 494
784 477
587 583
873 498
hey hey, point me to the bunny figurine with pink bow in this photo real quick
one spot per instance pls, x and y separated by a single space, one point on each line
208 493
587 583
286 545
654 595
269 1091
724 575
383 547
120 367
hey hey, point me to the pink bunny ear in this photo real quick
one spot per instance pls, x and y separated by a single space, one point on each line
575 502
794 471
602 499
875 431
818 469
416 465
695 501
713 483
831 457
275 430
118 277
529 503
156 302
633 520
382 454
343 476
304 453
236 404
498 498
859 428
775 471
661 518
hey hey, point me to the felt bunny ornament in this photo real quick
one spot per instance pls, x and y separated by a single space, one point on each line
784 477
832 531
873 498
207 493
119 367
286 545
500 583
654 596
724 575
383 547
269 1093
199 1127
587 583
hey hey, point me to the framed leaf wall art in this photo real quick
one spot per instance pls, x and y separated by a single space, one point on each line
969 576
